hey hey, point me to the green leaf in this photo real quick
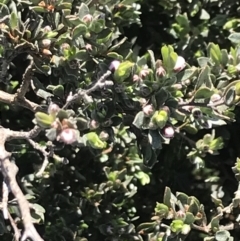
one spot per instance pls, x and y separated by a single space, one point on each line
203 61
161 96
167 197
81 55
203 77
83 10
44 120
169 58
62 114
176 226
188 73
222 235
93 140
39 9
79 30
13 22
152 59
215 224
57 90
143 177
203 93
123 72
193 206
160 118
82 124
97 25
155 139
115 56
63 5
189 219
182 197
161 210
139 120
146 227
230 96
224 61
216 144
215 53
38 88
234 38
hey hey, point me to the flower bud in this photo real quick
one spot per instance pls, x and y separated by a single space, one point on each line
177 86
68 136
45 43
180 215
168 132
144 72
47 29
53 109
104 136
136 78
215 98
93 125
148 110
180 64
64 46
114 65
160 71
88 47
87 18
46 52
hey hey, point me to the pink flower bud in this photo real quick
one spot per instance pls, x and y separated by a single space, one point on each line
87 18
45 43
88 47
160 71
148 110
53 109
104 136
177 86
180 64
64 46
93 125
215 98
144 72
168 132
114 65
47 29
68 136
136 78
46 52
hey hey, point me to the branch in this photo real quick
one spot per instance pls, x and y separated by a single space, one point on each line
9 171
81 93
27 76
12 99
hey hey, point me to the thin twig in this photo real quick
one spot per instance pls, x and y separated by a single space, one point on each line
17 233
81 93
5 193
27 76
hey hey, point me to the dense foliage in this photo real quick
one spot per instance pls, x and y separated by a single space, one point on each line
134 110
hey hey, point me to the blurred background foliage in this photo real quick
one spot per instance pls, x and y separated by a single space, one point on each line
105 197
